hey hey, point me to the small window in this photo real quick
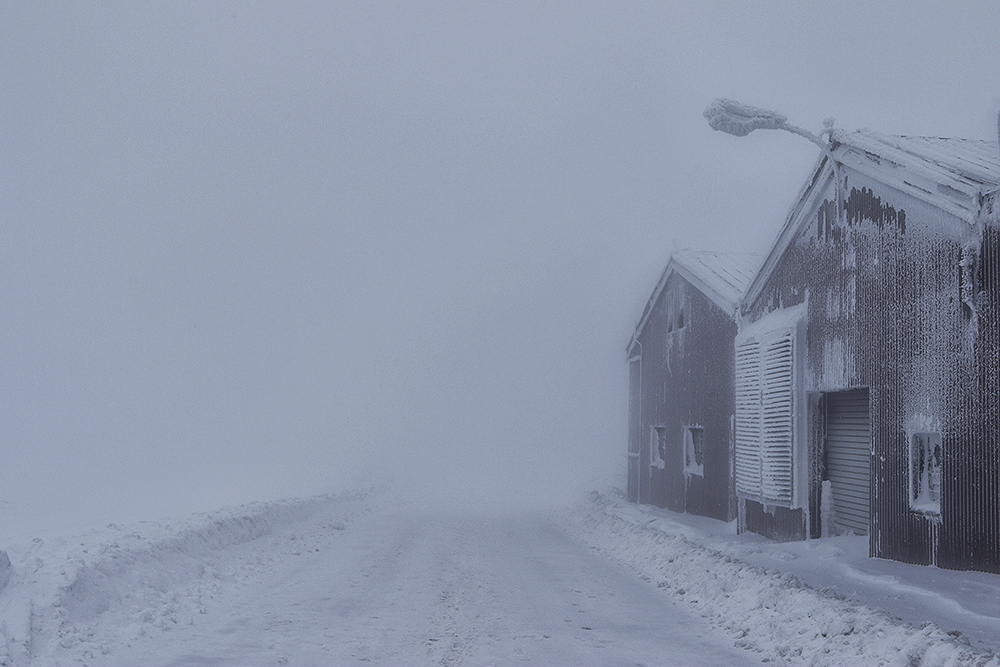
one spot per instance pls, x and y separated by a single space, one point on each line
659 446
675 308
925 473
694 451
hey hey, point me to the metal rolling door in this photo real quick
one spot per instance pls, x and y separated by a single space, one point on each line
848 458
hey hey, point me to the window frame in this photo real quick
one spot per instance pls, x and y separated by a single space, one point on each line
675 307
928 478
658 447
691 451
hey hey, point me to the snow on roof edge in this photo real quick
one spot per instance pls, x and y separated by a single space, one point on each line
949 173
963 178
786 233
721 276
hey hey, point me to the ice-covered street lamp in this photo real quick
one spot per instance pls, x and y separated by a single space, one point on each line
740 119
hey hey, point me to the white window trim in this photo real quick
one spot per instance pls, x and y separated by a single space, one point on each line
691 467
655 460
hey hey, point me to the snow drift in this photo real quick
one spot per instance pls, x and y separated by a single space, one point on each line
152 575
766 611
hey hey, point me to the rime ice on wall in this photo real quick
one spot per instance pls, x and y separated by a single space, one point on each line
893 252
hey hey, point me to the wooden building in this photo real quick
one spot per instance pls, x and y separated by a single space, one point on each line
681 391
867 355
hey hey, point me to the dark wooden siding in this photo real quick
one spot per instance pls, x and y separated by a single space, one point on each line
687 380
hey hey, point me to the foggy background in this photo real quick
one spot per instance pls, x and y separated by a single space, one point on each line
263 249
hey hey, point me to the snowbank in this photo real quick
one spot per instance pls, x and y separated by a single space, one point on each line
766 611
146 576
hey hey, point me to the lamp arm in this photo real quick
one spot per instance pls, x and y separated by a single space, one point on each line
808 135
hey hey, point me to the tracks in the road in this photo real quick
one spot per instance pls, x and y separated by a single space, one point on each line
400 587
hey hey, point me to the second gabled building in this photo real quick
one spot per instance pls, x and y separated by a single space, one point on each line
681 385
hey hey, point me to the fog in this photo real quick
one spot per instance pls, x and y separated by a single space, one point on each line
263 249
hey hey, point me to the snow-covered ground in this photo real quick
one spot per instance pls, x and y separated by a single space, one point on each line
341 580
818 602
84 597
363 578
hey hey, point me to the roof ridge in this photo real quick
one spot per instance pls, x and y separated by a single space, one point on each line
720 275
879 134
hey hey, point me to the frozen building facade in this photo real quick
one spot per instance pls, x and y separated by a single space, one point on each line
681 385
867 391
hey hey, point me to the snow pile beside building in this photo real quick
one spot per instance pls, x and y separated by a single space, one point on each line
143 578
771 613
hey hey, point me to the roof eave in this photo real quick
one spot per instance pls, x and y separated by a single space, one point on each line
675 264
951 195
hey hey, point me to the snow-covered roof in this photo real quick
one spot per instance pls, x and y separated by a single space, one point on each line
721 276
954 175
718 274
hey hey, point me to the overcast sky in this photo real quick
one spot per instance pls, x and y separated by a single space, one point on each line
257 249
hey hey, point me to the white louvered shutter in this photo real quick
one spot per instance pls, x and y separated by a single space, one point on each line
765 408
748 419
777 379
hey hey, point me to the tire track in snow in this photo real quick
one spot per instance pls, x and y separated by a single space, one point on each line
397 586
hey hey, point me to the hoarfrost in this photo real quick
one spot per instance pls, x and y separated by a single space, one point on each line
740 119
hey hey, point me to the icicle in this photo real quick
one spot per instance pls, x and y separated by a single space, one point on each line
826 512
970 254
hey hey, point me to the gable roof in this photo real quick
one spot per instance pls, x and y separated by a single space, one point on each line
954 175
721 276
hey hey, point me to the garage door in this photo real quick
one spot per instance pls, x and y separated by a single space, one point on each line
848 458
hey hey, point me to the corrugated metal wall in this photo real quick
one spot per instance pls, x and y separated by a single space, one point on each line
634 426
921 367
908 311
988 376
970 512
686 381
989 381
778 523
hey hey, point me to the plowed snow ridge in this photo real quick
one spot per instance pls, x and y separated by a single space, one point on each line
152 574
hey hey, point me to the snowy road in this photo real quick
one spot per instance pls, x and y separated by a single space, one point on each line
403 588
